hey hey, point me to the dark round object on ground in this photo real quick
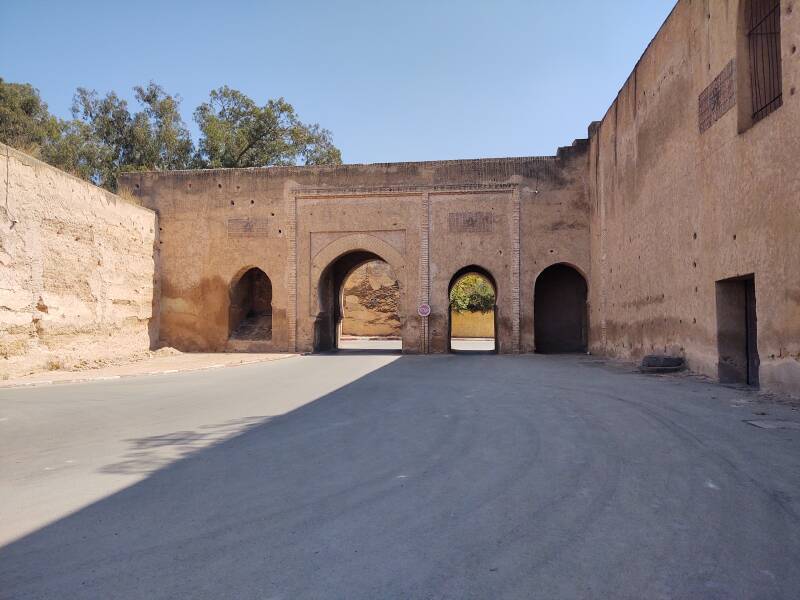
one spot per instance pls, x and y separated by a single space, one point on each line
656 363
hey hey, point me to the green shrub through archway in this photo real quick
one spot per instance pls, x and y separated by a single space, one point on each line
472 293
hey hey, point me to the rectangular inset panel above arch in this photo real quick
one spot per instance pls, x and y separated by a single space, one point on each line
470 222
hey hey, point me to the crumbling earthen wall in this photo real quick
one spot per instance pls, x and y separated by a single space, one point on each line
370 298
76 270
685 191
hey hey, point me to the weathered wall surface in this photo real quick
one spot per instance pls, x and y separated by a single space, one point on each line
76 270
371 296
674 210
511 216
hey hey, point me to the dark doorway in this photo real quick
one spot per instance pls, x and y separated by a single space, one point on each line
250 314
737 334
559 310
346 290
472 315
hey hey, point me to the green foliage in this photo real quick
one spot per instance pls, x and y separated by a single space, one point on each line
472 293
104 138
160 139
236 132
25 122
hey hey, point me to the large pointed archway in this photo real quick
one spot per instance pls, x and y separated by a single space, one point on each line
560 320
472 311
330 269
350 320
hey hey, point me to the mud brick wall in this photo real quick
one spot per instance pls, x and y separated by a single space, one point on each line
77 270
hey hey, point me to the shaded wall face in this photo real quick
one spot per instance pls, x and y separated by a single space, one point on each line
77 277
686 191
455 246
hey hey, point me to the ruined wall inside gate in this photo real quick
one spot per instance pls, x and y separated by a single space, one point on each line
684 192
371 297
511 216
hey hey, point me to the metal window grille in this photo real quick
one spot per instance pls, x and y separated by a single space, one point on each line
764 39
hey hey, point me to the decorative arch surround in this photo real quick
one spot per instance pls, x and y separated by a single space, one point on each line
360 242
328 272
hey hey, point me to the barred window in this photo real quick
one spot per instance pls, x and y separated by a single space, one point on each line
764 44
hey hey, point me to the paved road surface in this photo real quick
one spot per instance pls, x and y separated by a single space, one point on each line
363 476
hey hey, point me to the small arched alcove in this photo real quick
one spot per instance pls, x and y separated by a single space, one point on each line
250 314
472 313
559 310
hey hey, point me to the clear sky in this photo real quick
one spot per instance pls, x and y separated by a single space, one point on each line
393 81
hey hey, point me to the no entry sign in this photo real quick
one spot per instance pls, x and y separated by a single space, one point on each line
424 310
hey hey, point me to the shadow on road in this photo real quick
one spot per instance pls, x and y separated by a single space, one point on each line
151 453
463 476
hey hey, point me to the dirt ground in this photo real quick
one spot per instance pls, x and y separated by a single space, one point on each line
165 360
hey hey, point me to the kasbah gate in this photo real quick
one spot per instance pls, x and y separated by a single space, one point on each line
671 229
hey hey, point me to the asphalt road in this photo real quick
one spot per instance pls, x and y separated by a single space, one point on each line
362 476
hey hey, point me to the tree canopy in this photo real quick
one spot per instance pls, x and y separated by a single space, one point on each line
105 137
236 132
472 293
25 122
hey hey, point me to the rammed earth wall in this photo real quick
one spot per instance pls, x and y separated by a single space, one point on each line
685 191
77 270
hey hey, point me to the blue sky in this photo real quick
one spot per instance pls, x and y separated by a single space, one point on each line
394 81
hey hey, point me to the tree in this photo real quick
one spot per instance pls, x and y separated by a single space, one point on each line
159 137
104 138
94 143
25 122
76 151
236 132
472 293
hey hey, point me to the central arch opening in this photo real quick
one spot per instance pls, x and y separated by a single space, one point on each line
359 300
473 311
